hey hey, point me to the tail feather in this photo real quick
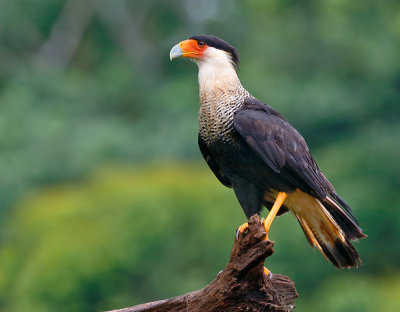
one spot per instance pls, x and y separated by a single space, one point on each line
343 205
327 227
349 225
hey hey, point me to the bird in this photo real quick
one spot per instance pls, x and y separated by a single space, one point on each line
251 148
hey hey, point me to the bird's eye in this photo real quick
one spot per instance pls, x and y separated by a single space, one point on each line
200 43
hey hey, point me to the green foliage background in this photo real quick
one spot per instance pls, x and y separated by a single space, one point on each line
105 200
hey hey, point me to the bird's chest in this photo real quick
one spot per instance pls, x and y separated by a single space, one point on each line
216 118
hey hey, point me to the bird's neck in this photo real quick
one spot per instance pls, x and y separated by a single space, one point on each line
216 79
221 95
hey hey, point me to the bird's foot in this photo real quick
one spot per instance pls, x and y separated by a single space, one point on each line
265 228
244 228
267 272
241 229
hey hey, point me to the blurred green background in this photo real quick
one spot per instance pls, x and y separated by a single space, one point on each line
105 199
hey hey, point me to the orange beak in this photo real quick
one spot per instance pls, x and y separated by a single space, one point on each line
187 48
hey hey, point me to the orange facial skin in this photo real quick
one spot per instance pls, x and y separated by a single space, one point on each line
192 48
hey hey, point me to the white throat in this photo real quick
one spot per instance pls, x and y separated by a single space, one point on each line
216 71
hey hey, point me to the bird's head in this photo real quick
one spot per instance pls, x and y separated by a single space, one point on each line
206 49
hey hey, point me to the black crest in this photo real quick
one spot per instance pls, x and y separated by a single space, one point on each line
220 44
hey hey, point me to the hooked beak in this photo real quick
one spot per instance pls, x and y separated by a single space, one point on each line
187 48
175 52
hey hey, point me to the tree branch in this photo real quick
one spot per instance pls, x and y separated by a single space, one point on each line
241 286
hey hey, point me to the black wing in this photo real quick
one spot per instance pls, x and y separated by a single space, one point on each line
212 163
281 147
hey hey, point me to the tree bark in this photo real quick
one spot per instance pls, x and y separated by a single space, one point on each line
241 286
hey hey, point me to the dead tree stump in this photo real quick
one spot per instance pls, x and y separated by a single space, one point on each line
241 286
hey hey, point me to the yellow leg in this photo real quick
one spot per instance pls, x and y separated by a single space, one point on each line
271 216
274 210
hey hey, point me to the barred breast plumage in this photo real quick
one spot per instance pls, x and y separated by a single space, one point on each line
217 109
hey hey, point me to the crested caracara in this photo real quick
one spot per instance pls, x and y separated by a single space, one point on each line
251 148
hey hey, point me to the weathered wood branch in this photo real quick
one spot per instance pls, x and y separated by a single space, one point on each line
241 286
